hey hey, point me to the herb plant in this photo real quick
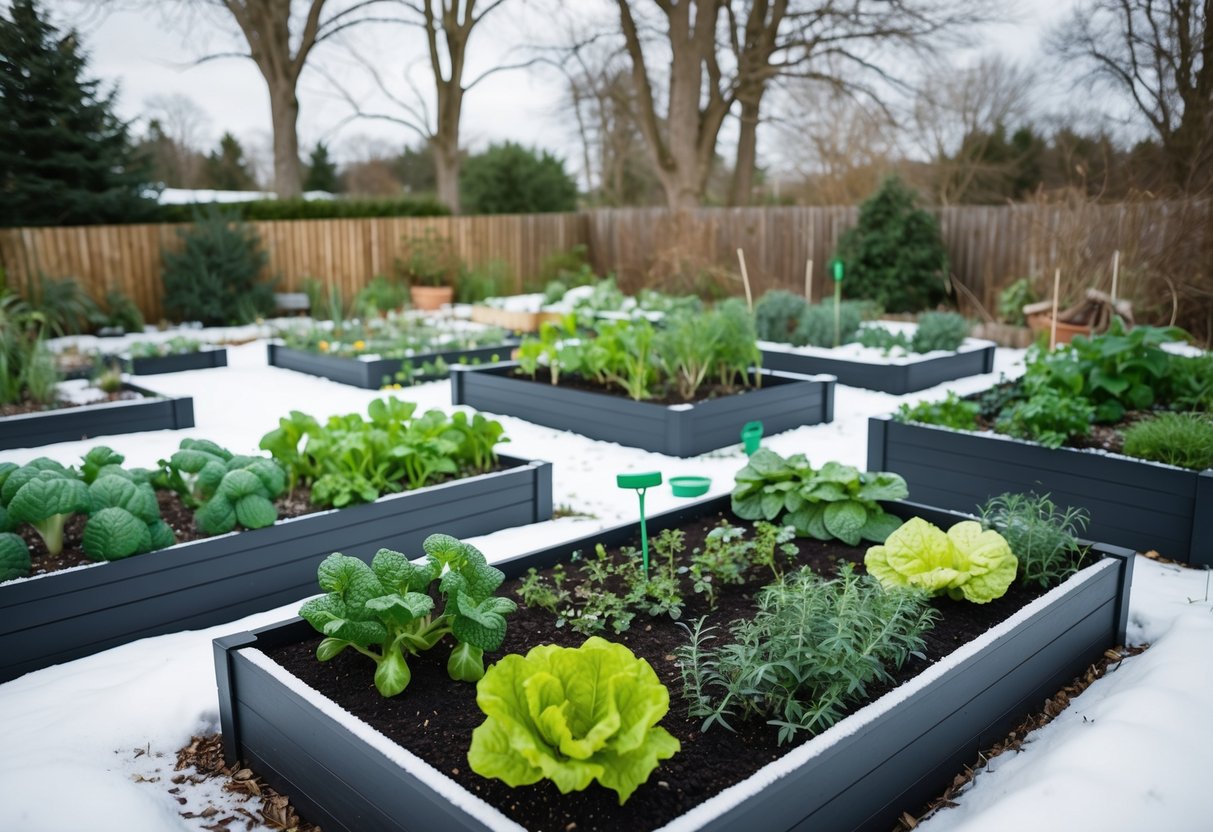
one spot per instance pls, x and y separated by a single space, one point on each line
1182 439
967 563
939 331
1043 536
834 502
388 606
572 715
1049 417
813 646
951 412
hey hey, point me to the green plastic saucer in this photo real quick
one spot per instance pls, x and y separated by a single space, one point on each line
689 486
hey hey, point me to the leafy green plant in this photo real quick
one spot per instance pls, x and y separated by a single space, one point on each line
429 260
27 368
939 331
894 255
1182 439
177 345
951 412
228 489
967 563
1191 382
1125 370
727 555
46 495
777 315
572 715
1049 417
814 645
1043 536
1013 298
215 277
816 325
835 501
380 295
881 338
67 308
14 557
124 518
121 312
350 459
388 605
487 280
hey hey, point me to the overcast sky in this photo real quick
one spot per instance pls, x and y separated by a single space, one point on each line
151 50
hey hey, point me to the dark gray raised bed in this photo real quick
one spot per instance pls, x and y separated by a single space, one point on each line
371 374
203 359
1132 502
861 774
785 401
896 377
154 412
64 615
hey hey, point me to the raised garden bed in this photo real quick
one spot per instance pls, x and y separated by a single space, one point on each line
61 616
515 320
67 424
785 401
203 359
1136 503
891 375
888 757
372 375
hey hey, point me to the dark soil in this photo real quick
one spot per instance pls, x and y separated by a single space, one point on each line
707 390
20 408
435 717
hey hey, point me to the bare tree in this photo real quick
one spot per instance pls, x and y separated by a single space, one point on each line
851 45
447 26
1159 54
681 134
177 125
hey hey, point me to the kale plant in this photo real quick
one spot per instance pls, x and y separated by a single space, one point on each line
228 489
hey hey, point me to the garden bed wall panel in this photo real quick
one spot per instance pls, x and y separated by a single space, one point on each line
369 375
891 762
69 424
57 617
1142 505
897 379
785 401
200 360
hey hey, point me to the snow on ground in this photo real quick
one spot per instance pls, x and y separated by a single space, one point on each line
91 744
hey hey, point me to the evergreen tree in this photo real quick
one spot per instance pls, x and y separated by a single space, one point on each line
65 158
510 179
894 255
321 172
227 169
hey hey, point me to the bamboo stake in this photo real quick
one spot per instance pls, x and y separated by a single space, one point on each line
1115 274
745 279
808 280
1053 328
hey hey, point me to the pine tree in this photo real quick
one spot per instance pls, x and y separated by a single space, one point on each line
227 169
321 172
65 157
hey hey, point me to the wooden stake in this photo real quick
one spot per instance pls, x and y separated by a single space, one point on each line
745 278
1056 290
808 280
1115 274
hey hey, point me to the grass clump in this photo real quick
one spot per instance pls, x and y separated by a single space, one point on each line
1182 439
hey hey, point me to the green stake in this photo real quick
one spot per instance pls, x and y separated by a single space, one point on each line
837 301
641 483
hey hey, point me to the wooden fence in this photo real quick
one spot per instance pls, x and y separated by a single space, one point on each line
989 247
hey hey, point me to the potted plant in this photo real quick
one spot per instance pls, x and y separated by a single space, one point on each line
876 761
430 266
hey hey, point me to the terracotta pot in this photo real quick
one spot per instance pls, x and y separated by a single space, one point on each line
1044 323
431 298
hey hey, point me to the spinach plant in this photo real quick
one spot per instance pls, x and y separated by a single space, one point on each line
835 501
228 489
385 611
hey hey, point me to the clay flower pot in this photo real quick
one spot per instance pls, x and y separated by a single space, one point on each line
431 298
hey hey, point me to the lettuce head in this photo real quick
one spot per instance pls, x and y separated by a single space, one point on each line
967 562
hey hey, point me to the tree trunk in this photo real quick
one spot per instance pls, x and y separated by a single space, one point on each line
741 190
446 173
284 109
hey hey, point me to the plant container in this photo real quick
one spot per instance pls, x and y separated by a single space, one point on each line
1136 503
203 359
515 320
893 755
431 298
890 375
784 401
373 375
61 616
67 424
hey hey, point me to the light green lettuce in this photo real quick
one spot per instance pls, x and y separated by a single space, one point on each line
572 715
967 563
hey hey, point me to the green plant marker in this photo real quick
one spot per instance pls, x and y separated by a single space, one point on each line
640 483
837 301
751 437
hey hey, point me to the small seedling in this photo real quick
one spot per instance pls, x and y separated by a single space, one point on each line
641 483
